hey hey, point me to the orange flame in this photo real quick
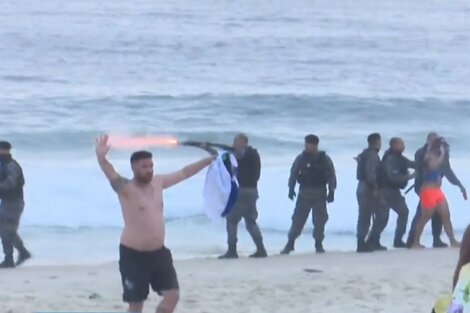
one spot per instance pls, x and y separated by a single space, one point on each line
123 142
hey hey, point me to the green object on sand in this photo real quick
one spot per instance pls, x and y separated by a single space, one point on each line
312 270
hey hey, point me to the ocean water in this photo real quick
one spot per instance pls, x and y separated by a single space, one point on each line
204 71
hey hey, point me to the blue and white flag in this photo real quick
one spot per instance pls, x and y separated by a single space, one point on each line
221 187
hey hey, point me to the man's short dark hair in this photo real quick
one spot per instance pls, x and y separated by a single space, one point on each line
432 135
312 139
394 140
243 137
140 155
372 139
5 145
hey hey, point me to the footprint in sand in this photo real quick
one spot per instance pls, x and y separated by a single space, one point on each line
378 296
225 293
358 295
410 288
94 296
191 301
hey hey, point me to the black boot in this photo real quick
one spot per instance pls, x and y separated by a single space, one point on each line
398 243
288 248
363 247
409 241
375 245
8 262
378 246
438 243
23 256
319 247
231 253
260 252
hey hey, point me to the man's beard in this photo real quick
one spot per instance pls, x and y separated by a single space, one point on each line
144 179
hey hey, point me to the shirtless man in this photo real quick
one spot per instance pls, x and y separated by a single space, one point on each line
144 259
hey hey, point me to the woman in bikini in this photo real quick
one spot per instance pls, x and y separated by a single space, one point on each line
431 197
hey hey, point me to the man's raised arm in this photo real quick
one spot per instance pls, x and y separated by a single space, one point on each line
102 149
186 172
223 147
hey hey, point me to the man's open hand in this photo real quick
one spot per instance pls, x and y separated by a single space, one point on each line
102 146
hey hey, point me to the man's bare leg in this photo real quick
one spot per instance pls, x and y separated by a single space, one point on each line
169 302
136 307
424 219
444 213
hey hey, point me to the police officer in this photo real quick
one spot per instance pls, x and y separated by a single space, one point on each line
11 207
313 170
395 177
420 172
369 197
249 171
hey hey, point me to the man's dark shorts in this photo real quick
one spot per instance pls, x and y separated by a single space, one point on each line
139 270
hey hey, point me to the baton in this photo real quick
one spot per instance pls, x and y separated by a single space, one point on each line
409 189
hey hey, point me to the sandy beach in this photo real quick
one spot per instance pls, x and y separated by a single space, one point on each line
394 281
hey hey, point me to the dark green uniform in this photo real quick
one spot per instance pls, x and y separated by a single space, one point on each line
11 208
395 178
313 172
370 200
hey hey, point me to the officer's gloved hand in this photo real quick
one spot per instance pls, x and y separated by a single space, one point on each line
464 192
292 194
331 196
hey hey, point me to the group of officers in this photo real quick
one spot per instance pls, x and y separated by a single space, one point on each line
380 185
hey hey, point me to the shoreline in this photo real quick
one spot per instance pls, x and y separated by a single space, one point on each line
244 255
56 248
